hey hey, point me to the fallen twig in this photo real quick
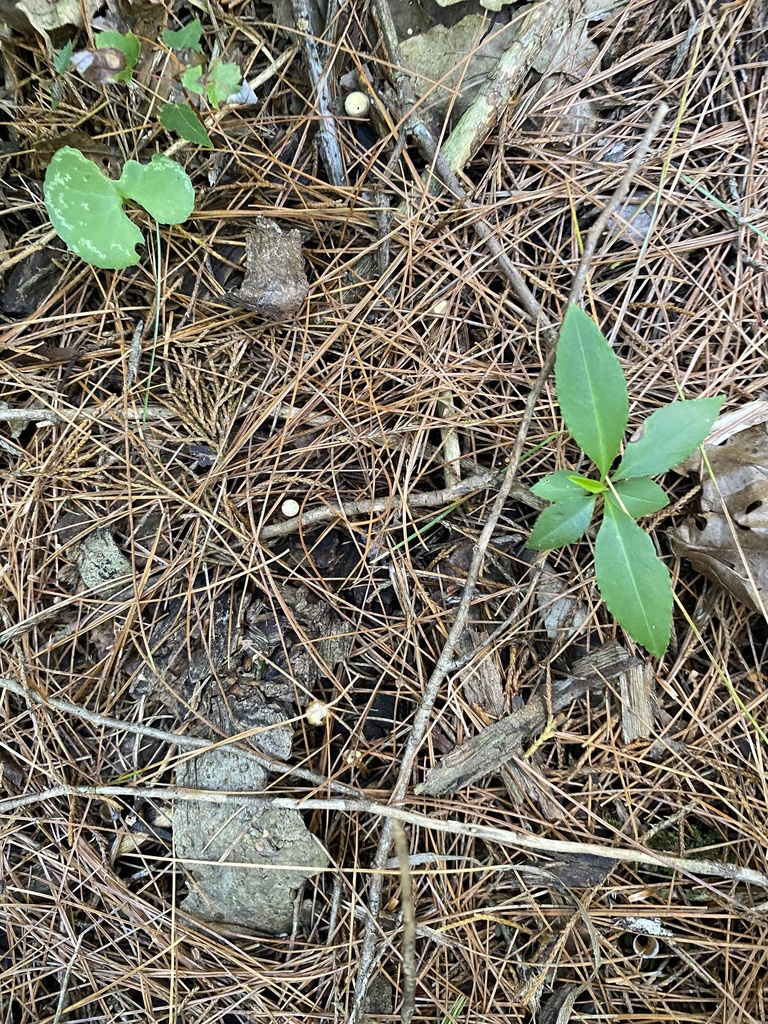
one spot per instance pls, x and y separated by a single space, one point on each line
179 740
499 742
409 926
445 660
366 506
691 866
327 132
619 194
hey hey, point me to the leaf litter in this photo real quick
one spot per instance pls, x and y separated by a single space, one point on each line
337 401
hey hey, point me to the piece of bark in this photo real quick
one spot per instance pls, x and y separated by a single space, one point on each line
636 688
482 680
275 283
494 746
521 782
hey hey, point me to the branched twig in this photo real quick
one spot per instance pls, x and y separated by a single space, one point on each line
182 742
618 196
446 172
440 671
445 660
483 113
366 506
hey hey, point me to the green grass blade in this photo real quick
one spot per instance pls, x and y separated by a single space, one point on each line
669 435
591 389
633 582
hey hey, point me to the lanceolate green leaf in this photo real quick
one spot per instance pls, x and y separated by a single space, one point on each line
641 496
633 582
557 486
591 389
563 522
669 435
181 119
587 484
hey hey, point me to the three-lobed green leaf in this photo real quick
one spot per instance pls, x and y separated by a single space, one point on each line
218 83
669 435
185 38
222 81
633 581
591 389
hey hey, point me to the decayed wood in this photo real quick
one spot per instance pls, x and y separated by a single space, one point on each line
636 688
495 745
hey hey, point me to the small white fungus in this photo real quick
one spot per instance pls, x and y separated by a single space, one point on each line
317 712
357 104
290 508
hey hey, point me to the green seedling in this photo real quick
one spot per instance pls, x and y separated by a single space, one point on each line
592 394
186 38
86 207
61 62
215 83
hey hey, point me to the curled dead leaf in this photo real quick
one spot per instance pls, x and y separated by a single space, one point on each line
728 540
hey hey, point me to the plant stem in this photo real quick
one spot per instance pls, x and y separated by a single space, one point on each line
156 333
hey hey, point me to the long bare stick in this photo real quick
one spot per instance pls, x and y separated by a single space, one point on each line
690 866
611 206
327 133
366 506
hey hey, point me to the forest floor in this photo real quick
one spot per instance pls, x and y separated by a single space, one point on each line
251 543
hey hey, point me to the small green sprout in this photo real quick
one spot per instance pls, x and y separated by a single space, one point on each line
86 207
63 57
186 38
218 83
592 394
